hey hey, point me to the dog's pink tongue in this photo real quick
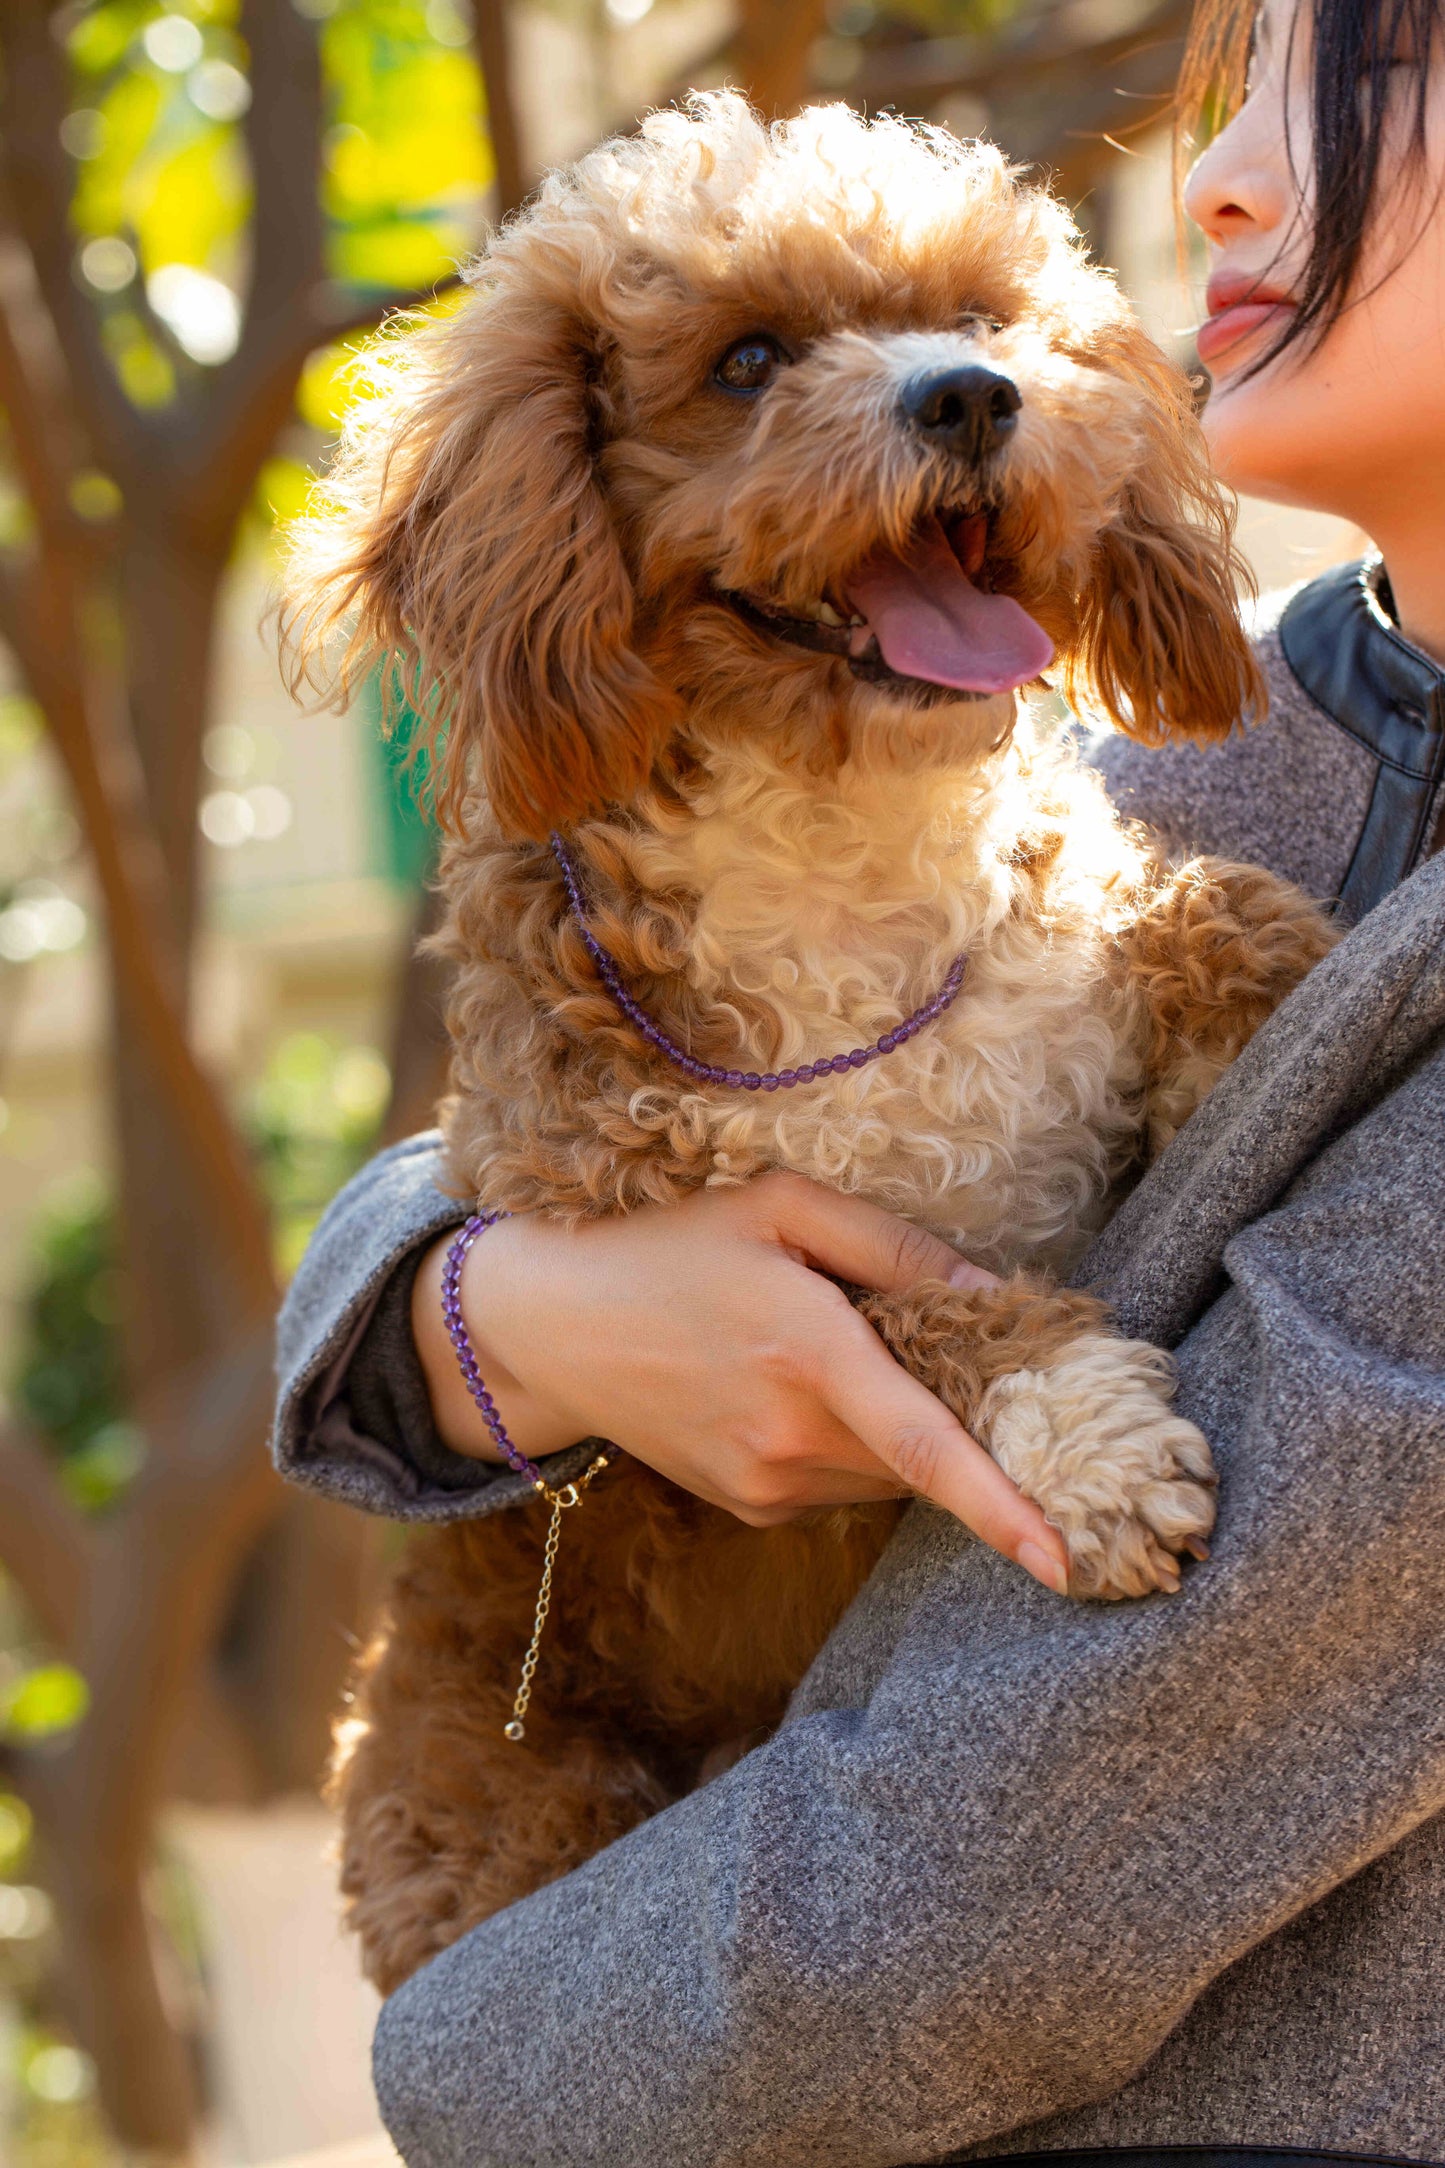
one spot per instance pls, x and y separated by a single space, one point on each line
932 622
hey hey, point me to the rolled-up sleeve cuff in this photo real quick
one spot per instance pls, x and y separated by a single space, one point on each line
353 1420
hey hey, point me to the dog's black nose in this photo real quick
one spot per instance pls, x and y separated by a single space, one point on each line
969 410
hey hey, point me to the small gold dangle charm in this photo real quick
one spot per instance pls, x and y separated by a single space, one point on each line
561 1501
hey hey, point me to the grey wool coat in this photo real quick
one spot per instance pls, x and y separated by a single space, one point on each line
1017 1874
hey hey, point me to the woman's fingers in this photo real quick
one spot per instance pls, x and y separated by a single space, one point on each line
931 1454
853 1239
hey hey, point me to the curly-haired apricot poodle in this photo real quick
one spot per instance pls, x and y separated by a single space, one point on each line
722 526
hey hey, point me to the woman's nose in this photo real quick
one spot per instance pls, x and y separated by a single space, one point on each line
1242 184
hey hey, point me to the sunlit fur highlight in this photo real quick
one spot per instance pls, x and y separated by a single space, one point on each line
556 443
535 516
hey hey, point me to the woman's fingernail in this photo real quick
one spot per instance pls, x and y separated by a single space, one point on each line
1044 1567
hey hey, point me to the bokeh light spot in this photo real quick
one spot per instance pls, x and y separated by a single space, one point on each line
172 44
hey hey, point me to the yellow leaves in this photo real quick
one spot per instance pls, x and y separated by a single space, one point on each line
162 186
16 1824
49 1699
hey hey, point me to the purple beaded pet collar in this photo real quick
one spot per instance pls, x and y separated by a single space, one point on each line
706 1072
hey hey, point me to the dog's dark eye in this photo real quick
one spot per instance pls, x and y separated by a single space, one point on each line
750 365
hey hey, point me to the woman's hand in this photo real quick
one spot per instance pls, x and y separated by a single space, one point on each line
703 1338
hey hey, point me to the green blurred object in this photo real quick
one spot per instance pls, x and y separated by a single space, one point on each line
68 1380
311 1118
405 164
400 770
48 1699
16 1825
163 193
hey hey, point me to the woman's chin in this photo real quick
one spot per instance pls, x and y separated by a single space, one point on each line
1247 425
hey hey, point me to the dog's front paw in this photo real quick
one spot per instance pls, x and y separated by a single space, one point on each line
1094 1441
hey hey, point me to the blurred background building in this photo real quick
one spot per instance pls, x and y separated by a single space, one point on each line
208 901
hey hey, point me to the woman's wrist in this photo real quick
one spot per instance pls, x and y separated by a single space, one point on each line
459 1421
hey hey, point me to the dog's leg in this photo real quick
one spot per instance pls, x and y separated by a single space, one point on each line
1215 948
1080 1418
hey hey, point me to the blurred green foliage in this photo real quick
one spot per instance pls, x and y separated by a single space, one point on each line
68 1380
46 1699
311 1119
16 1826
163 193
162 199
405 159
60 2125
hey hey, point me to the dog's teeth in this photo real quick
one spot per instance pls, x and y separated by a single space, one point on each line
827 615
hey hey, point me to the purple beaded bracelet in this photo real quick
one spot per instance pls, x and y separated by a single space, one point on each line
561 1499
748 1080
457 1333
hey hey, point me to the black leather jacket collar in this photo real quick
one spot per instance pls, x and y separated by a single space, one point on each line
1341 641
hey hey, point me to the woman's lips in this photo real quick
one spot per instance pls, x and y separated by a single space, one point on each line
1229 326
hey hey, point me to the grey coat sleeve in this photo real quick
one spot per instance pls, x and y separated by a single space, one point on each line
1002 1843
353 1419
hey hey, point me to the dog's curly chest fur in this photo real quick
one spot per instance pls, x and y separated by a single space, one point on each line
808 923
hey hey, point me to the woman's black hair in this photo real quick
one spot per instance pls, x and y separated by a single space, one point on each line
1361 48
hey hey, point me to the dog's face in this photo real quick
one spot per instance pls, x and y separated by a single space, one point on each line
827 435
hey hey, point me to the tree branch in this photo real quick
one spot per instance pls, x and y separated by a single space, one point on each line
493 43
249 396
32 368
917 75
338 312
258 409
33 103
45 1546
283 135
43 618
773 49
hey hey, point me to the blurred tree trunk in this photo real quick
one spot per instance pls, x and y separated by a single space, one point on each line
114 629
772 51
492 38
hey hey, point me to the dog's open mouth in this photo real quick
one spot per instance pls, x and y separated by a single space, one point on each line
920 618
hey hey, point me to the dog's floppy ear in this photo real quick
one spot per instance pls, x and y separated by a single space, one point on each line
465 539
1161 647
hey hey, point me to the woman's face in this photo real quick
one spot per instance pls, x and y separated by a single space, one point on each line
1348 425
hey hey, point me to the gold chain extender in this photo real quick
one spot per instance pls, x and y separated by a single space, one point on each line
561 1501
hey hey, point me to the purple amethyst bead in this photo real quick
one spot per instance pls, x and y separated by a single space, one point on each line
787 1077
751 1080
733 1077
858 1056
